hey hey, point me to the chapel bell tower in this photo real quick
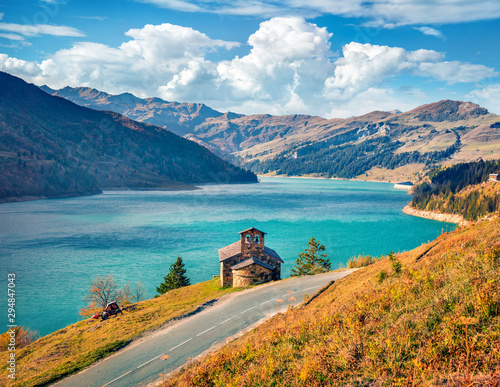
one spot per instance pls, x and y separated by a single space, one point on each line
252 242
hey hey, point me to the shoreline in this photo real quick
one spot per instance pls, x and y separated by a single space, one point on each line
449 218
325 178
27 198
178 188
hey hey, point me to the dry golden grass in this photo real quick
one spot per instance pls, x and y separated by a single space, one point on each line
435 320
68 350
361 261
403 173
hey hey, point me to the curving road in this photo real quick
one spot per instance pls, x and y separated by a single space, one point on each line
144 361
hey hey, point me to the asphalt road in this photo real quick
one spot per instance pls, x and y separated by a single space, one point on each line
143 362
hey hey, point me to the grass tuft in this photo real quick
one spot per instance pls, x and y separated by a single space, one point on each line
361 261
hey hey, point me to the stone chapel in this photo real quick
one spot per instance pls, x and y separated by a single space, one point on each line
248 261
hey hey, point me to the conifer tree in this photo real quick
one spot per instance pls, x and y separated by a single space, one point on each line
176 277
312 261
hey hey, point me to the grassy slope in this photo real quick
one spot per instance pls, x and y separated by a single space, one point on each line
435 323
68 350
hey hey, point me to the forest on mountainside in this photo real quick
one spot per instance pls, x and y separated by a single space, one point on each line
460 189
350 160
50 147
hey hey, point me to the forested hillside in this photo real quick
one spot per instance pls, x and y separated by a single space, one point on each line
50 147
460 189
351 160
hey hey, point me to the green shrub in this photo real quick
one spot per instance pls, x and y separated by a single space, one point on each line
382 276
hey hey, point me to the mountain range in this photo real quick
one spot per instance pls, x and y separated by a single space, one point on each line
51 147
378 145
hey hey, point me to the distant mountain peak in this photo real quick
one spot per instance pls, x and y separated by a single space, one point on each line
47 89
258 139
125 98
448 110
155 100
80 94
232 115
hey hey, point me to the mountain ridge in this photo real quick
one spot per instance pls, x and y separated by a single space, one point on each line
52 147
404 143
178 116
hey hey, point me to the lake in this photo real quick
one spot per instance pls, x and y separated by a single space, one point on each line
56 247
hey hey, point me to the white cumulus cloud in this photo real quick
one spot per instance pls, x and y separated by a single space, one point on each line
455 71
288 55
153 56
487 96
290 68
363 66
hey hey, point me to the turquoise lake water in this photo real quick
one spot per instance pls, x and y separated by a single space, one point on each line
55 247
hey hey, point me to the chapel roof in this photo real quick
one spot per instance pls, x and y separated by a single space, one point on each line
235 249
251 261
251 229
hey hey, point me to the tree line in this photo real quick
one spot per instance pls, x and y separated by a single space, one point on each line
350 160
444 192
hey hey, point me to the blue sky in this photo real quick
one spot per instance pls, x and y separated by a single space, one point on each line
333 58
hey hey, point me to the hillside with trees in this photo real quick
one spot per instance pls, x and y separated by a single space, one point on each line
50 147
461 189
350 160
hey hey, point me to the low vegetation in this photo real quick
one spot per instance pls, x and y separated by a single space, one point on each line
104 290
460 189
430 316
361 261
23 337
75 347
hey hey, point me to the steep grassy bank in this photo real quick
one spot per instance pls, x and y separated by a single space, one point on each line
430 316
75 347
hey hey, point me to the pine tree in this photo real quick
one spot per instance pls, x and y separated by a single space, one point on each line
176 277
311 261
